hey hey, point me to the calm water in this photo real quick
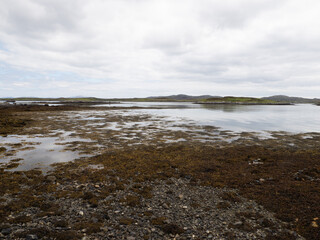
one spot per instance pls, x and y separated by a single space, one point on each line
290 118
40 152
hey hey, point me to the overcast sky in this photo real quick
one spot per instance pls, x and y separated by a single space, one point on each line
139 48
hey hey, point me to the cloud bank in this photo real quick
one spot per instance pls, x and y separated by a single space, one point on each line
126 48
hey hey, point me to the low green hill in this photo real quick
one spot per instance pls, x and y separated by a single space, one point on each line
230 99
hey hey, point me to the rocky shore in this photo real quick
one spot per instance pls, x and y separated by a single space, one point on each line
162 209
146 187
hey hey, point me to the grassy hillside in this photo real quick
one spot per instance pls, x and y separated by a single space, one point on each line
283 98
240 100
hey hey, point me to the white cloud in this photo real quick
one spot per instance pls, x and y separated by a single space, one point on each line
168 46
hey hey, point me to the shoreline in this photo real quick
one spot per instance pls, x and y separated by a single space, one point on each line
243 103
137 190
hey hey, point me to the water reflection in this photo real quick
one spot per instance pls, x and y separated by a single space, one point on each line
257 118
230 108
38 151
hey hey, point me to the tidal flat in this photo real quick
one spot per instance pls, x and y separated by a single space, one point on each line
118 172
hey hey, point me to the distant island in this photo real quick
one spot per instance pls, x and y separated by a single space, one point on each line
283 98
241 101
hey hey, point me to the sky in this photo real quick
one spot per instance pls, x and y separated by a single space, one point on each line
140 48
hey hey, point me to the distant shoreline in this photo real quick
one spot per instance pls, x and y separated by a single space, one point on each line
242 103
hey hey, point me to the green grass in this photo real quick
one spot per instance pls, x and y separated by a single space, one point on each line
239 100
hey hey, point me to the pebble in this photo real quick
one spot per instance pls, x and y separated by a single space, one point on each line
6 231
31 237
204 222
238 223
314 224
51 178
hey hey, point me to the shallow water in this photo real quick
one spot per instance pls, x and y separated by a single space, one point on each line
50 103
298 118
170 122
38 151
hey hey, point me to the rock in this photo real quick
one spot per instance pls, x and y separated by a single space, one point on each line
51 178
184 207
105 229
238 223
18 231
167 221
314 224
181 196
131 238
31 237
6 231
81 213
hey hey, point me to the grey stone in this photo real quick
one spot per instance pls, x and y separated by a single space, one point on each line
31 237
51 178
238 223
6 231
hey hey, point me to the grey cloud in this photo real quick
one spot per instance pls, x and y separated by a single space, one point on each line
35 18
234 14
165 44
